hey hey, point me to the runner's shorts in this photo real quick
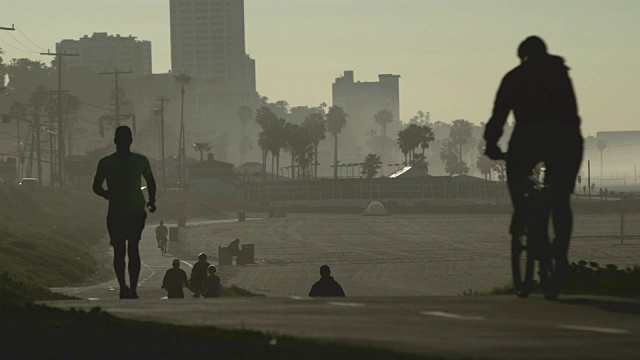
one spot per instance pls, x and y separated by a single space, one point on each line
128 228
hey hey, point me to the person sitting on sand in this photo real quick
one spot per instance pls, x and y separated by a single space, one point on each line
234 247
211 287
174 280
327 285
198 273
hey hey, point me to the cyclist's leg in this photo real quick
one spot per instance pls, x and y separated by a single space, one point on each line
562 172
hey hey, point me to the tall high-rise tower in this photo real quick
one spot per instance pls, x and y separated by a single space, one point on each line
207 41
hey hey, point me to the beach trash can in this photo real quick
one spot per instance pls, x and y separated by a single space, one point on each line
182 220
242 216
247 255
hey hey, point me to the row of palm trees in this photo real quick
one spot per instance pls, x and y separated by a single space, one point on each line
300 140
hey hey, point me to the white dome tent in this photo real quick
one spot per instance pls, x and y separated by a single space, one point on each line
375 208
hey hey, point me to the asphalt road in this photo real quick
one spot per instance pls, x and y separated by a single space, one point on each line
502 327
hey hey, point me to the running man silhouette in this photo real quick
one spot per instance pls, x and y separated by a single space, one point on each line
541 95
122 171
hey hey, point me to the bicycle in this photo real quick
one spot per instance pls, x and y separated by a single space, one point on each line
530 242
162 244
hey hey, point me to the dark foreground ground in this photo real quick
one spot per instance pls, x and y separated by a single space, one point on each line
461 327
45 333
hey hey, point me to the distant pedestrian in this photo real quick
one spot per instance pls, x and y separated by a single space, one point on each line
327 285
198 274
211 287
123 171
175 279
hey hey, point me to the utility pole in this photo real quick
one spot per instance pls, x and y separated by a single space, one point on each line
12 28
36 124
61 147
117 72
164 175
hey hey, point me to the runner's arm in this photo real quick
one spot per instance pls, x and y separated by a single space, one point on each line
98 180
151 186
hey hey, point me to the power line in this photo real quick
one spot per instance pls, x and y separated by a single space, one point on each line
15 48
21 44
25 35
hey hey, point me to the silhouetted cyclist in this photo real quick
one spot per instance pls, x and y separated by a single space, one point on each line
327 285
161 237
123 171
175 279
541 95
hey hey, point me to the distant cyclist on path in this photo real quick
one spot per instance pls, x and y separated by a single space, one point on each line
123 171
161 237
540 94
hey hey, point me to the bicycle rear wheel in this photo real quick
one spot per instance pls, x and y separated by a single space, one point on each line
522 261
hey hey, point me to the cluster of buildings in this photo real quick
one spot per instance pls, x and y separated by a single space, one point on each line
208 41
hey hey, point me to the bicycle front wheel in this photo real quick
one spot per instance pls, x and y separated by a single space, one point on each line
522 261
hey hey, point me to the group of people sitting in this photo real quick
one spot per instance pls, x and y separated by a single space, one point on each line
203 281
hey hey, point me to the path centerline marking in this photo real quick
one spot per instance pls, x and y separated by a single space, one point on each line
347 304
453 316
598 329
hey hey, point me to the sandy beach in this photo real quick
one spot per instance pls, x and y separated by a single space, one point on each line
398 255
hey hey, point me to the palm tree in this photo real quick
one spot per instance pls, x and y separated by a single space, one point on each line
383 118
460 133
403 143
202 147
182 79
371 165
281 107
483 163
277 141
336 121
314 124
265 117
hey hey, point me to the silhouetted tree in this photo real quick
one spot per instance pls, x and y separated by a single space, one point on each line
316 129
460 133
202 147
383 118
336 121
371 165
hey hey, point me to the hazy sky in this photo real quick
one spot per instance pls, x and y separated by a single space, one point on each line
451 54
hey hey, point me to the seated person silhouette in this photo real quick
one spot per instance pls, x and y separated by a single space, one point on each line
199 273
327 285
174 280
234 248
211 287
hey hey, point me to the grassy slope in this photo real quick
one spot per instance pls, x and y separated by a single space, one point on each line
46 234
45 240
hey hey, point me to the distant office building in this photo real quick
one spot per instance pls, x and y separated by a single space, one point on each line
208 41
102 52
362 100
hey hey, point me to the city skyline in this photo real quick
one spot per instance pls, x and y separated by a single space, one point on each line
451 55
